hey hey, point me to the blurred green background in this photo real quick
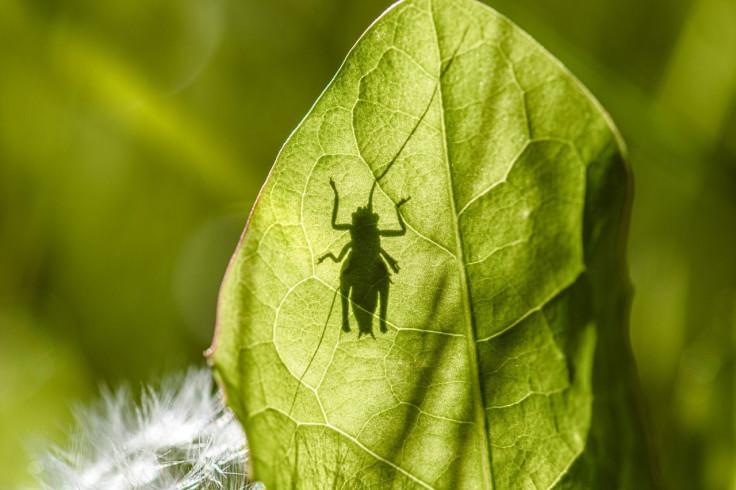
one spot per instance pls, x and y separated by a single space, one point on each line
134 137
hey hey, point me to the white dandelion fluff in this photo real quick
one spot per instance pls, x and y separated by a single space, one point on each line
178 436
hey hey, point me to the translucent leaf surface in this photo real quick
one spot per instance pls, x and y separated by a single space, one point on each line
486 315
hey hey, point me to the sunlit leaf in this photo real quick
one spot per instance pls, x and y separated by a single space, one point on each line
504 361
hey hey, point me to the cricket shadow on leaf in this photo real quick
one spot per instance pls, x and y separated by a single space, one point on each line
365 279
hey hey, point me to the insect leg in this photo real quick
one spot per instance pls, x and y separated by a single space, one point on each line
330 255
335 225
391 261
383 300
345 292
402 230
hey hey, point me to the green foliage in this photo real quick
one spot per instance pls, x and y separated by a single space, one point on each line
131 153
505 362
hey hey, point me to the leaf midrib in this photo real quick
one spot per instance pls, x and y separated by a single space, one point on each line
478 404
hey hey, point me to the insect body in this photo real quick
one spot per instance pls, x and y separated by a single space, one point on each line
364 277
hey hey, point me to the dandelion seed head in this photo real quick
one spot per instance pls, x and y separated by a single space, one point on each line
179 436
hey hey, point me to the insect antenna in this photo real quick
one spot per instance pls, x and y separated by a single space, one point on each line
419 121
393 160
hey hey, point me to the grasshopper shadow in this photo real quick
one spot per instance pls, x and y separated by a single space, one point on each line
364 278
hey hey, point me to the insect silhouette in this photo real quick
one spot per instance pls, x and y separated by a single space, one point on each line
364 277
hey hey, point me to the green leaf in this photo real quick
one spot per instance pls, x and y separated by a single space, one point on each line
505 362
